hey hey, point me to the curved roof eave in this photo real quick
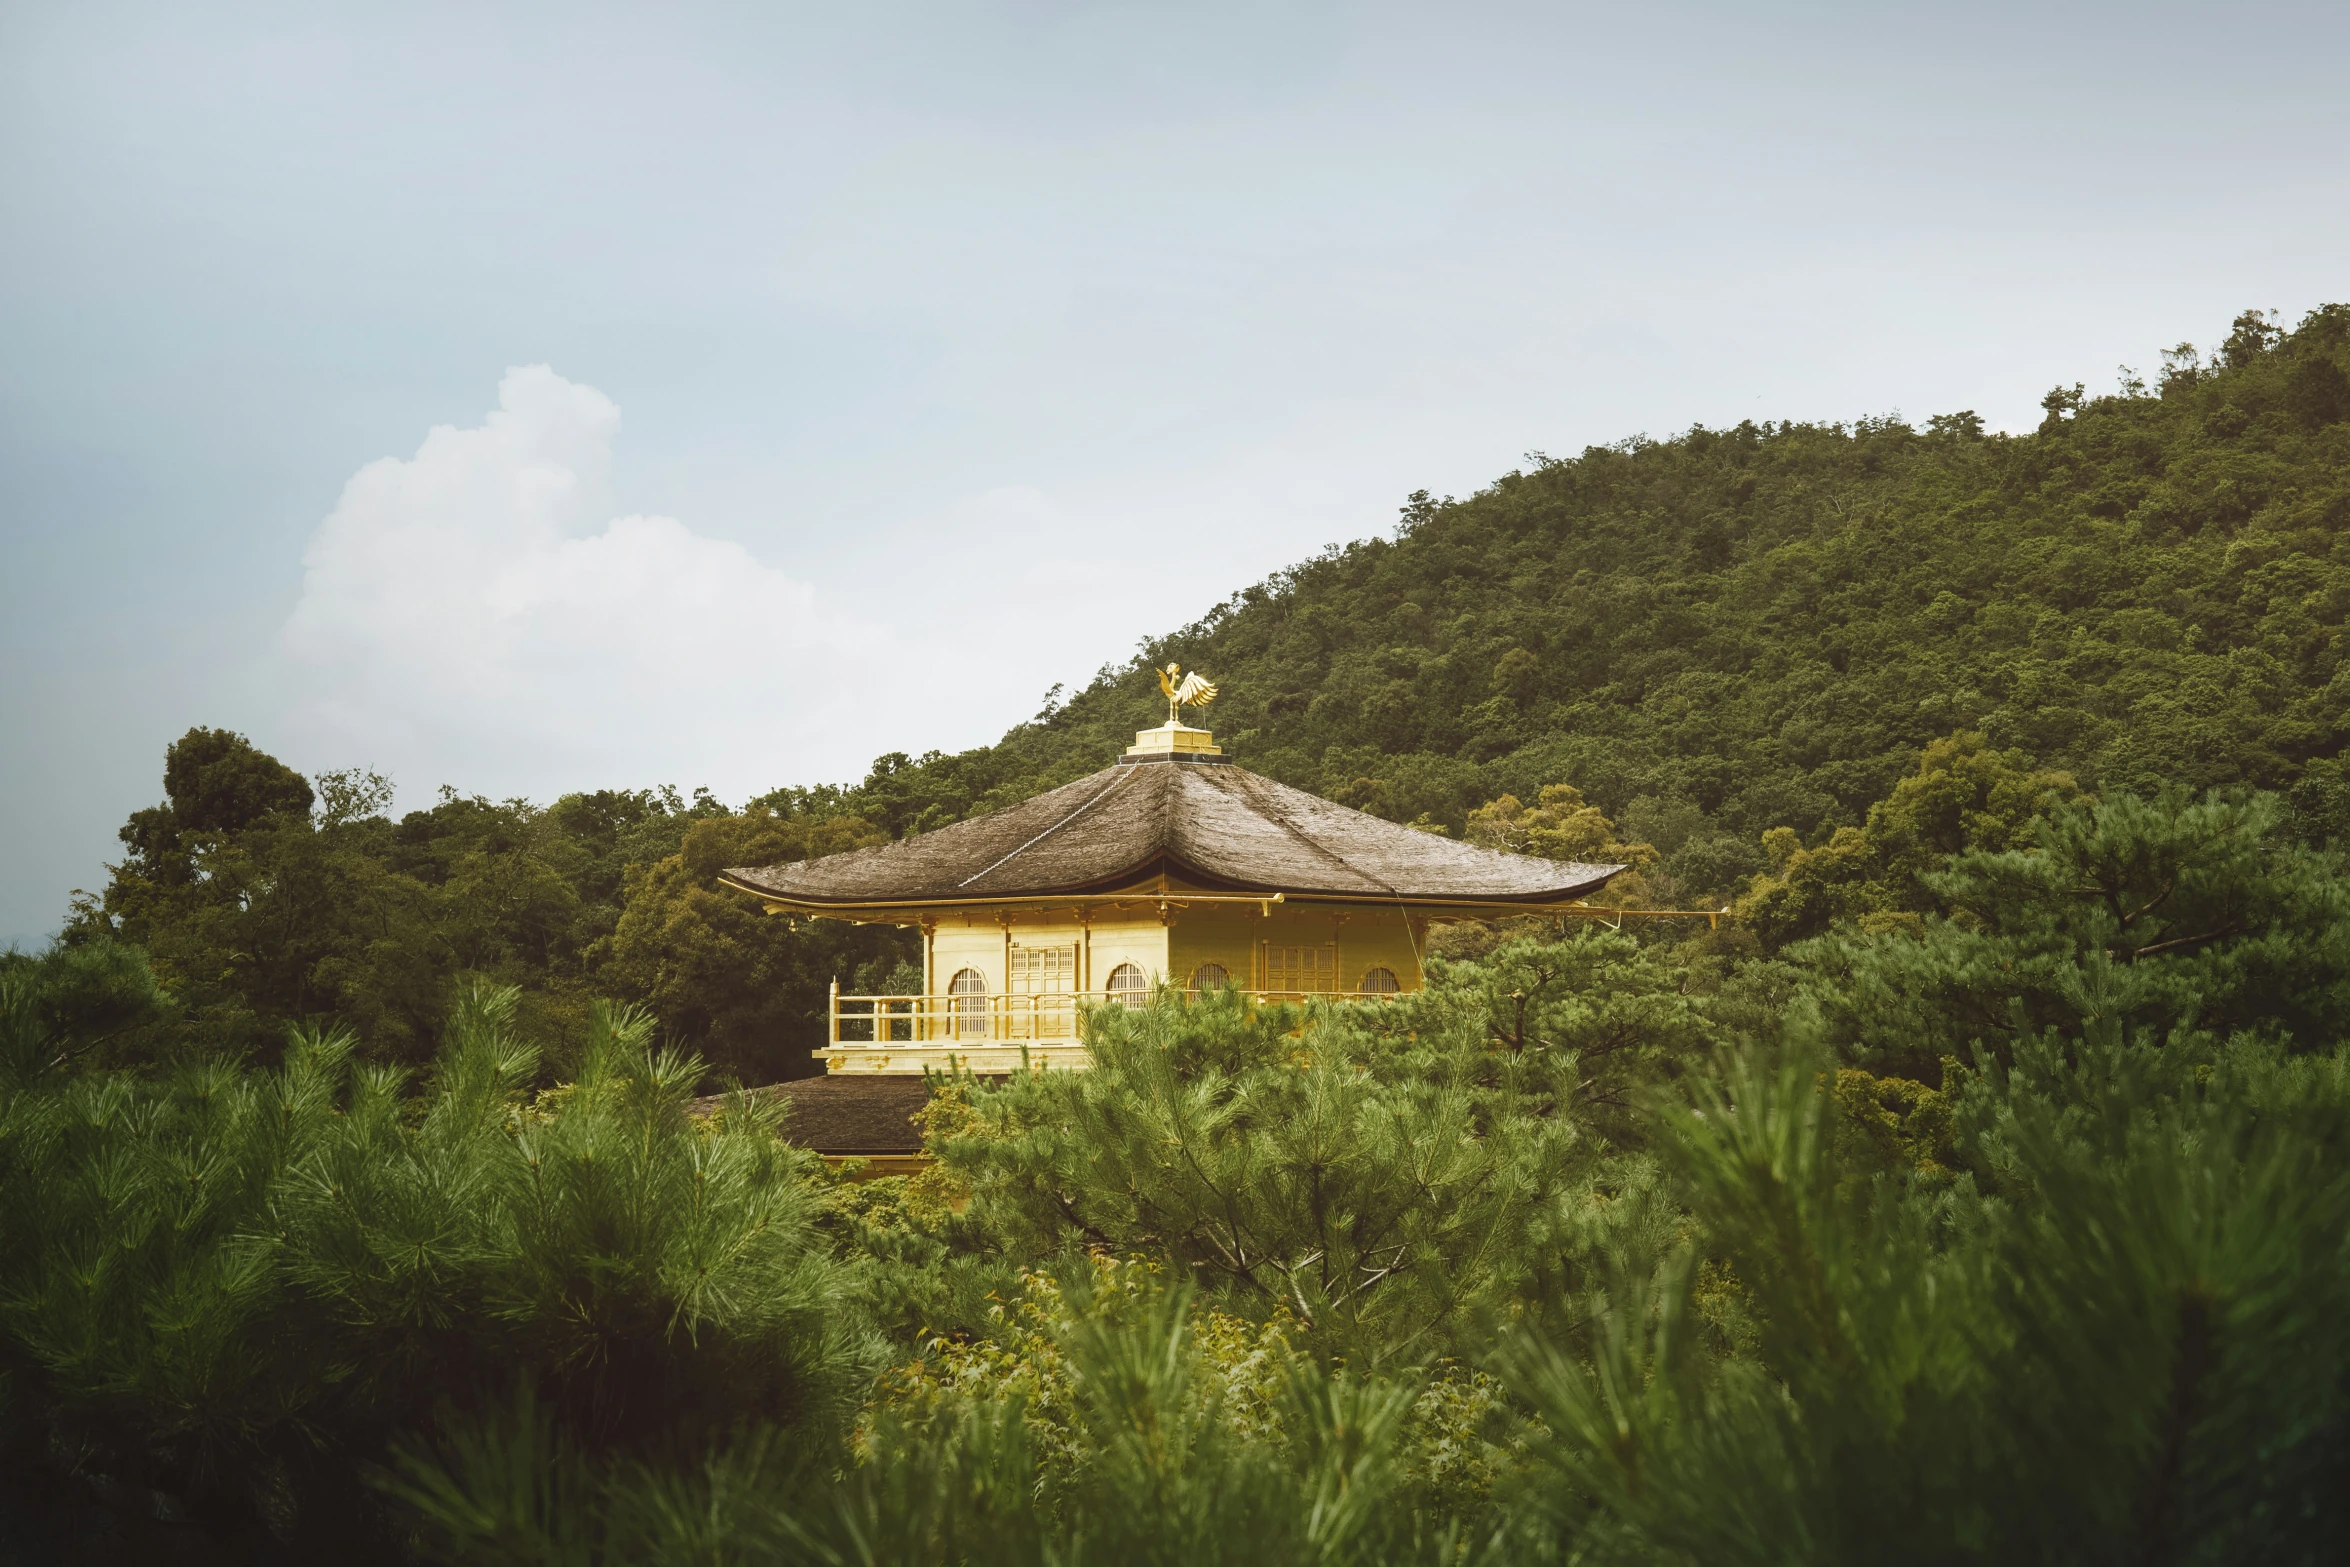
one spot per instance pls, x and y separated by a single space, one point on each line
1133 883
1222 827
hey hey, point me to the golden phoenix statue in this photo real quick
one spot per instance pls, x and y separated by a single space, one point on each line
1182 690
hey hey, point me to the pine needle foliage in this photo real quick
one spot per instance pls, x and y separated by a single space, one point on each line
1388 1179
2137 1356
2173 913
229 1291
1245 1375
1170 1437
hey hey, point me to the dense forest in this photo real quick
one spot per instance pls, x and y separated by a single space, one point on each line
1976 1194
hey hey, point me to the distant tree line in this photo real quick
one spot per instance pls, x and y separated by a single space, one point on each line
262 900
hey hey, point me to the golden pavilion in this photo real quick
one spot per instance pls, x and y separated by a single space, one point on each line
1172 866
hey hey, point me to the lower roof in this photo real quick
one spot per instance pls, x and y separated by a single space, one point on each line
854 1113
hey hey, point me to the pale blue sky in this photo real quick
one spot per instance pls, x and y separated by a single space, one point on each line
1019 331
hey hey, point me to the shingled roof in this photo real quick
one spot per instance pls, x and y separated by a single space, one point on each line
855 1113
846 1112
1208 826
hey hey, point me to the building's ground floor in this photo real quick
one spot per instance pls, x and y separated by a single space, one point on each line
1003 988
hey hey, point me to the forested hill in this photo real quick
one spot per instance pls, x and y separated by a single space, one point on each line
1734 630
1713 637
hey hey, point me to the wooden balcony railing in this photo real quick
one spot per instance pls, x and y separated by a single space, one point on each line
882 1021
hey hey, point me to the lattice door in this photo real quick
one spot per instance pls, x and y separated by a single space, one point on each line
1301 970
1049 974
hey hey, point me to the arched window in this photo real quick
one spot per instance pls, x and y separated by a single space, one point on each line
1210 976
1379 982
1128 987
968 1012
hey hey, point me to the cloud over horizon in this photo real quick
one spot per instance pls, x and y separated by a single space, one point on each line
478 602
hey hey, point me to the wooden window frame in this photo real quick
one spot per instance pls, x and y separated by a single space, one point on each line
962 1015
1124 995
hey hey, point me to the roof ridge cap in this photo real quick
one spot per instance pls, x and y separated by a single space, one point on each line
1107 790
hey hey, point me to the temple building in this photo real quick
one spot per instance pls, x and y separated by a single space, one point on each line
1172 866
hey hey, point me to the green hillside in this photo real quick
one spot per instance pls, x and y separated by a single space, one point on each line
1734 630
1724 635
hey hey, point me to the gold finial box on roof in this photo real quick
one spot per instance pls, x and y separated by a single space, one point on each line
1173 741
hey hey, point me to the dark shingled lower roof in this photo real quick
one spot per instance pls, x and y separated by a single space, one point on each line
854 1112
1216 827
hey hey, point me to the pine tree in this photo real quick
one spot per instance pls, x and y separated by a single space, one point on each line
1386 1176
232 1292
2140 1355
2178 912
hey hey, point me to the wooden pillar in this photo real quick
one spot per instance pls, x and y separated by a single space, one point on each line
922 1008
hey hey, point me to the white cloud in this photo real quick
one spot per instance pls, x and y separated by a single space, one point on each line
474 613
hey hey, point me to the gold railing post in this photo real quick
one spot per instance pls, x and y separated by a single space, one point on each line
832 1009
